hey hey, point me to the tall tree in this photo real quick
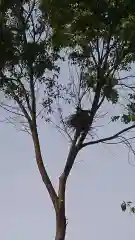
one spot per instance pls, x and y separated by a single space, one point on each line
27 68
98 40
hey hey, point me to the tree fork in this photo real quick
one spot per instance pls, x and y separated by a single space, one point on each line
58 200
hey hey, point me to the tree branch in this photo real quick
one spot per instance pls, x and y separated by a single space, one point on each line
93 110
33 98
107 138
33 107
71 157
26 95
20 104
42 169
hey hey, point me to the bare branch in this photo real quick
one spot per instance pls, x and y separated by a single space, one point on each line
101 102
108 138
6 107
126 77
71 157
93 56
64 125
131 87
98 50
120 141
30 12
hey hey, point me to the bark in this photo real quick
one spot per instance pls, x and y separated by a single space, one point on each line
60 227
60 213
58 201
42 169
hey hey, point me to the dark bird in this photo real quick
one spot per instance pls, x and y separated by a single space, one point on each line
123 206
79 121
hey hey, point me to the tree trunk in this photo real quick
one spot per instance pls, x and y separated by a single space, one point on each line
57 199
42 169
60 226
60 213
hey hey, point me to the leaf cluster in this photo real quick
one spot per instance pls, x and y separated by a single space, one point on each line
100 36
27 59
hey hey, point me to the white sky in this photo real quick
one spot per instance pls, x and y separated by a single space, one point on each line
100 181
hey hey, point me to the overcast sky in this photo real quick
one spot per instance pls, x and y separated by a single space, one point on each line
100 180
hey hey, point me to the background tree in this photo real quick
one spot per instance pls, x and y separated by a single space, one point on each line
95 38
26 55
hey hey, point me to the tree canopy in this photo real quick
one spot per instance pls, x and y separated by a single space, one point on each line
97 39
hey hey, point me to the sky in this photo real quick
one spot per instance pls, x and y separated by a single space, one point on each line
100 180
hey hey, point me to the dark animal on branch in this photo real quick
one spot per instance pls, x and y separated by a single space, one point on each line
79 121
123 206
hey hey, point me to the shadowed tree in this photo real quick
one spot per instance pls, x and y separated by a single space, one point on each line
28 68
97 39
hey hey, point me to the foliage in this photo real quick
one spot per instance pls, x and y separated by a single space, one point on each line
27 54
98 40
100 36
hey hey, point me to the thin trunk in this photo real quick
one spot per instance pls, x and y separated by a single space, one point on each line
60 213
60 228
57 199
42 169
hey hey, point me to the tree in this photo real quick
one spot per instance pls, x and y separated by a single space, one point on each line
28 55
98 40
